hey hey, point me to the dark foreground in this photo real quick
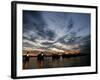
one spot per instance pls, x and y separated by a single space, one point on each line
49 62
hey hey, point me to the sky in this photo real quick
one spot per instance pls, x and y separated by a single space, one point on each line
49 30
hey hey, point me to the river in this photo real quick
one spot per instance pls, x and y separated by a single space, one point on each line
48 62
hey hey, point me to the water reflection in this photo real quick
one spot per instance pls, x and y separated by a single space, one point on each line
49 62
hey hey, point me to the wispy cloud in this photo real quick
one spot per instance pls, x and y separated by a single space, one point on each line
60 30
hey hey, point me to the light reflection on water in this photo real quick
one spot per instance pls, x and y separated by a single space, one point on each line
48 62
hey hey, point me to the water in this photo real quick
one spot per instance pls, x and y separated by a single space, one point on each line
48 62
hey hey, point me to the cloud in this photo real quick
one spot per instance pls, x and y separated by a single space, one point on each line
33 22
60 30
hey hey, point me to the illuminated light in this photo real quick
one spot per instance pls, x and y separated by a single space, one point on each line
27 55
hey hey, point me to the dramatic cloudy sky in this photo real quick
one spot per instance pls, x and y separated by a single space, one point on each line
56 30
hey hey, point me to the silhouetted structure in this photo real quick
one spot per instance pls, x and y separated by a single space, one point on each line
26 57
40 56
55 56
